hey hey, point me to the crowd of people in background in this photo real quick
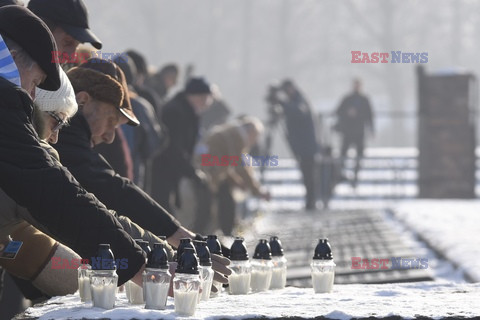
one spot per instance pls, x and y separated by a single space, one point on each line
97 151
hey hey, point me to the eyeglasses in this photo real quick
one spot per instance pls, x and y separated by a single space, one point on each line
60 123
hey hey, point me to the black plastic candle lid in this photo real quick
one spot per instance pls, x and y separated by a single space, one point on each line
276 247
188 262
213 244
158 257
104 260
323 251
262 250
184 243
238 251
203 253
144 245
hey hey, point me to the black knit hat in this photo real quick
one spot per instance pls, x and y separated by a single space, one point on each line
70 15
20 25
197 86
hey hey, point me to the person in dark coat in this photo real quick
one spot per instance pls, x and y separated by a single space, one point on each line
140 84
28 174
181 117
94 124
218 112
162 81
354 120
87 129
301 136
147 140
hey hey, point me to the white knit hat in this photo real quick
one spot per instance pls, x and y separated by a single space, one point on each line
62 100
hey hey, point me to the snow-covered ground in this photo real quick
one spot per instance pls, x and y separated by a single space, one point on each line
408 300
451 227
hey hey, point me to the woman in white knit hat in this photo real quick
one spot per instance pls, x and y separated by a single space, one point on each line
54 109
36 258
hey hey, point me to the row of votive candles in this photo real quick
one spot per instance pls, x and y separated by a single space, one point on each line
268 267
153 294
266 270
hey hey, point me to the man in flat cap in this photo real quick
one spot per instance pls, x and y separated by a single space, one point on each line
95 124
28 174
68 22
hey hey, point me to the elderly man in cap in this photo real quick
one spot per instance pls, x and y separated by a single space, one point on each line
28 174
68 22
181 116
100 112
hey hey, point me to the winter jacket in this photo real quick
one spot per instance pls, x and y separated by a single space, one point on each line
34 180
116 192
175 161
145 141
227 140
354 116
300 126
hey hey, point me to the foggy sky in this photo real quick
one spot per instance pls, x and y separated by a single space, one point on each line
245 45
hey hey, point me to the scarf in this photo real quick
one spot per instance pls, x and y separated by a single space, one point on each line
8 68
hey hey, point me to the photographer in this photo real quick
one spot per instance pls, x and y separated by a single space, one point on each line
300 132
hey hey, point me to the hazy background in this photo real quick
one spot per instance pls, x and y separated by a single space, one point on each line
244 45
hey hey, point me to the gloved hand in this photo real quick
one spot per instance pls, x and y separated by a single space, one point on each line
220 266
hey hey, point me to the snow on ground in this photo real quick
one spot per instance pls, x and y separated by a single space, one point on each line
449 226
408 300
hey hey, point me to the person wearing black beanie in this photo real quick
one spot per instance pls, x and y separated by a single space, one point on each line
181 117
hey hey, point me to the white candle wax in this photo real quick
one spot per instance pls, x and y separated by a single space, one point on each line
135 293
206 289
206 274
156 295
103 296
279 278
84 289
322 281
260 280
239 283
186 302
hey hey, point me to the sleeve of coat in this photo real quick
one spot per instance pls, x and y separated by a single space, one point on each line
119 193
248 176
54 198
